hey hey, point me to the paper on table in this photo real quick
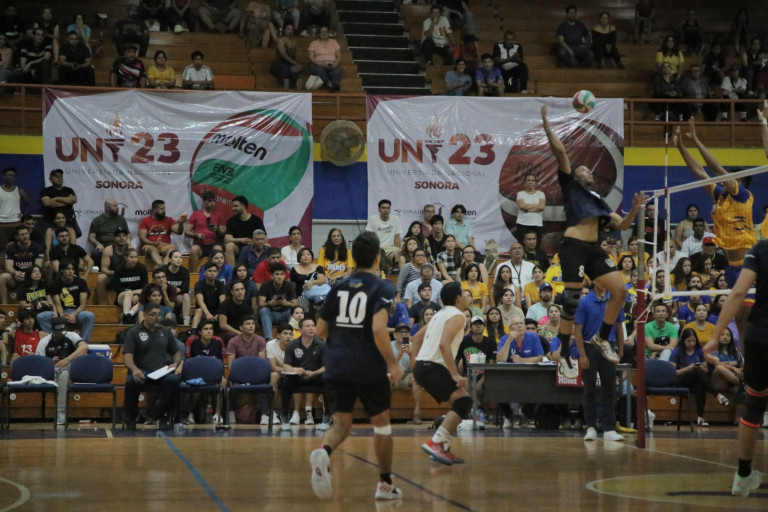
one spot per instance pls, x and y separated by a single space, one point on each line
160 373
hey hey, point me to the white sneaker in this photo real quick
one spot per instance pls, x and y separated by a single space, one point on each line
178 29
310 420
295 420
264 420
323 426
742 486
385 491
651 417
606 348
591 434
275 418
612 435
285 427
191 419
232 418
507 423
321 473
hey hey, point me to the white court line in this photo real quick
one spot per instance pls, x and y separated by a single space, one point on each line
22 499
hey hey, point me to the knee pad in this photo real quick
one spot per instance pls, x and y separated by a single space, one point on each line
754 409
462 407
383 431
571 297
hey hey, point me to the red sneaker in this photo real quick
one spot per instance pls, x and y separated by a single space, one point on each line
437 452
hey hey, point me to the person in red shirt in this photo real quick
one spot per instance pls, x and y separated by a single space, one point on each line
26 338
155 232
262 273
206 227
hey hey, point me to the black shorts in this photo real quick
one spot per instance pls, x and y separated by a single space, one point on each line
207 249
436 379
375 395
579 258
756 358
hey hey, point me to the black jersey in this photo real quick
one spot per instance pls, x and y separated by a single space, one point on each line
178 279
351 351
757 261
580 202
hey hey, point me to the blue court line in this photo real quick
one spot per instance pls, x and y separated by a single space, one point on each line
207 488
415 484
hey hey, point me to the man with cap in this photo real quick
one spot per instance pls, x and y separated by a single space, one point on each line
62 346
708 251
102 231
401 347
692 244
112 258
546 298
206 227
476 343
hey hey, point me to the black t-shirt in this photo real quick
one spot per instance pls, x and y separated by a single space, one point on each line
235 311
580 202
77 54
719 262
130 278
178 279
349 310
73 252
299 279
538 258
437 246
244 228
11 28
310 358
50 213
33 51
418 308
24 258
149 348
196 348
33 296
69 293
268 290
487 346
130 26
757 261
211 294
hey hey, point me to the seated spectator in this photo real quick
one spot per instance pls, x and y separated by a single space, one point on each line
309 279
7 71
276 297
128 71
220 11
154 297
425 301
36 58
75 63
508 55
457 81
426 274
401 347
459 15
25 339
256 26
459 227
65 250
316 13
209 295
695 86
103 228
263 272
644 21
286 11
33 292
128 282
232 311
19 256
145 350
476 342
181 18
388 228
168 293
255 253
681 274
410 271
666 86
468 50
70 298
285 67
154 14
533 254
155 232
549 324
694 243
488 78
539 309
495 327
692 34
604 42
424 319
59 221
206 228
519 346
205 344
414 232
51 29
734 87
436 37
450 260
436 236
303 369
197 75
297 315
290 253
62 345
335 257
670 53
522 270
112 258
251 290
573 40
503 281
325 55
714 64
470 276
82 30
660 335
752 61
508 307
13 26
241 231
161 76
700 325
132 31
178 275
276 356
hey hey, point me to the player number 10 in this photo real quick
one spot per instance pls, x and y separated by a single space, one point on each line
351 311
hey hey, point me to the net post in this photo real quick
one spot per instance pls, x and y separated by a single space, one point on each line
640 343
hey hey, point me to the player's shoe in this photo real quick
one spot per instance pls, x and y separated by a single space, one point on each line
612 435
591 434
743 485
385 491
455 459
321 473
437 452
606 348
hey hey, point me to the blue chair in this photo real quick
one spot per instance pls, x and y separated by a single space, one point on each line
209 369
251 374
91 374
37 366
660 377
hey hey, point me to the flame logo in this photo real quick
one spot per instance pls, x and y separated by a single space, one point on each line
115 128
434 130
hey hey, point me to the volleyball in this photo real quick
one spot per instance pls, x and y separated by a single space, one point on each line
584 101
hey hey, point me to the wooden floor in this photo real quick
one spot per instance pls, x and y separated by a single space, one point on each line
197 469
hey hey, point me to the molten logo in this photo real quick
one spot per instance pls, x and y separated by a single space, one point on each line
434 130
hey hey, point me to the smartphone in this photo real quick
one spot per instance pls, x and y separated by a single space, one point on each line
406 340
697 364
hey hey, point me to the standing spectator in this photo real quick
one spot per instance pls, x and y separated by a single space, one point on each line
276 297
154 14
13 27
531 203
285 66
128 71
59 199
241 228
36 58
691 33
82 30
651 236
604 41
180 16
161 76
488 78
132 30
752 61
103 228
206 227
573 40
70 298
740 28
388 228
11 197
734 87
19 256
197 75
325 55
155 232
436 37
287 11
671 54
644 20
666 86
75 63
508 55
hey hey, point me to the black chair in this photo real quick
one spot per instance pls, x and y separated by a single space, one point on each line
31 366
660 377
209 369
91 374
251 374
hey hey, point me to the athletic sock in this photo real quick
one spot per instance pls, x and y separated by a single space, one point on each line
605 331
745 468
328 449
386 477
565 339
441 436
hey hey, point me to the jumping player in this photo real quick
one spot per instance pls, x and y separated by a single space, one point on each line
586 214
358 356
753 272
435 369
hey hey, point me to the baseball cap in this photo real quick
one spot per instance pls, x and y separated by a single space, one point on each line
402 327
708 240
545 286
58 324
476 319
120 229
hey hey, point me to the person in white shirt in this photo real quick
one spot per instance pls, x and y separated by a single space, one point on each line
197 75
692 244
289 253
388 228
522 270
674 257
531 204
436 37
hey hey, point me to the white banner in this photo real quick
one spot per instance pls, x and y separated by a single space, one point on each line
141 146
476 151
